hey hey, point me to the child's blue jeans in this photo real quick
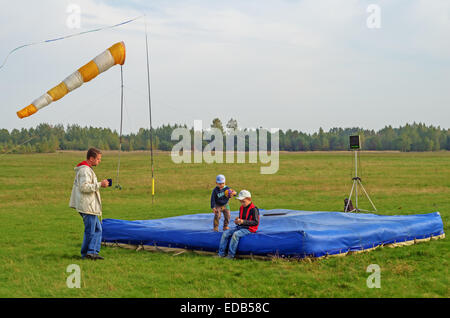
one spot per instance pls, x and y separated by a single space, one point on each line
232 236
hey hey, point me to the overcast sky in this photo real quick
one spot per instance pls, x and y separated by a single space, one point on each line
277 64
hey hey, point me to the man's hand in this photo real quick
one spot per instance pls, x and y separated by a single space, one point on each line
104 183
238 221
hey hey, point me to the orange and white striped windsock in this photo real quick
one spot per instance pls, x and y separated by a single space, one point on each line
108 58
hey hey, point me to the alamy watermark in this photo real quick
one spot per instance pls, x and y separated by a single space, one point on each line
73 20
374 19
374 279
238 143
74 279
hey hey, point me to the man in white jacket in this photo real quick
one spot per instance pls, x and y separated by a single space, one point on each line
86 200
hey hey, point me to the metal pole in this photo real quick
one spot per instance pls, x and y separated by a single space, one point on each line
356 178
118 186
150 110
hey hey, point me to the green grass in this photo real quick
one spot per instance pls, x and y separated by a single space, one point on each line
41 235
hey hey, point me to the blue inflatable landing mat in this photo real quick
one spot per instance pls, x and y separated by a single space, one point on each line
285 233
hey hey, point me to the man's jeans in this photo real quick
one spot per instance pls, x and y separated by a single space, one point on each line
92 235
235 234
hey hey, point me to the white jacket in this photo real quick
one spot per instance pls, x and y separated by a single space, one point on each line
85 196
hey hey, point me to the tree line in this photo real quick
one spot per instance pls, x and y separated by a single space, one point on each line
47 138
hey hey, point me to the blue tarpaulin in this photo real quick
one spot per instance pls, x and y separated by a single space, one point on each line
286 233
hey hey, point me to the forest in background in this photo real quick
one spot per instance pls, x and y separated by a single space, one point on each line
47 138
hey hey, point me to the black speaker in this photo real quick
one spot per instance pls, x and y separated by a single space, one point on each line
354 142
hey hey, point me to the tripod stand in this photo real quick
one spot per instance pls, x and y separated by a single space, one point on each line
356 182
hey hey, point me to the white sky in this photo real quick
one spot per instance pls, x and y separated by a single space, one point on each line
271 63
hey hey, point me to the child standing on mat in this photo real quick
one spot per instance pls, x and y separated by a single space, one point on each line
219 202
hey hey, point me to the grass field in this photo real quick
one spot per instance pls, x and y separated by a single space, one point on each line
41 236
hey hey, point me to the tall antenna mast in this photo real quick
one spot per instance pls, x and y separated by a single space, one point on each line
150 110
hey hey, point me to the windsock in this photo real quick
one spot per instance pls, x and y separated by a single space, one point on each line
108 58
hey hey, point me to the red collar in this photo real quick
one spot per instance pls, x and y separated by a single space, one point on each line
248 207
84 163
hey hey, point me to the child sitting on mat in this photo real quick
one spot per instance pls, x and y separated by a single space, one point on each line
247 223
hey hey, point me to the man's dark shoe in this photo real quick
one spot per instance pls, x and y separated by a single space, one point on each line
90 256
93 257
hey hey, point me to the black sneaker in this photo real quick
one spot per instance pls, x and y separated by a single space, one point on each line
98 257
91 257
